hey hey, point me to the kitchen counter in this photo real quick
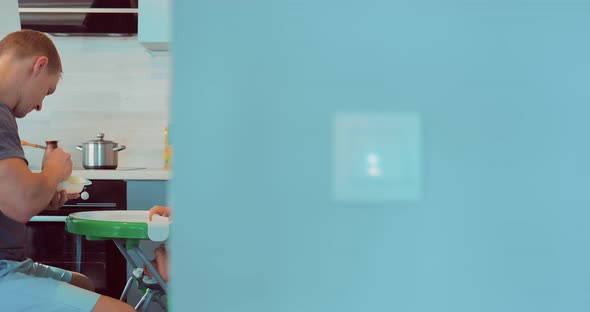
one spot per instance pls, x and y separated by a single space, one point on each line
123 174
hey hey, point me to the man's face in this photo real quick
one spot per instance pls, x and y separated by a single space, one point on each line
39 85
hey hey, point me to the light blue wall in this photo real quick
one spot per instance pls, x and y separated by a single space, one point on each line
502 89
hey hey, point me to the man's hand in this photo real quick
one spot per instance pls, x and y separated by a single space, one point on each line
60 162
59 199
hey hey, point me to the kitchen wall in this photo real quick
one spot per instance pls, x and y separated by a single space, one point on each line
109 85
502 222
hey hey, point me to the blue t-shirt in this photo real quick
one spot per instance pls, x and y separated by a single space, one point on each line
12 233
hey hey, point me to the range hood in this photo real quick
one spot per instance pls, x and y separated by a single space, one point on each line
80 17
149 20
9 19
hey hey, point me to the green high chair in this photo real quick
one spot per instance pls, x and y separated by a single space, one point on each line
126 228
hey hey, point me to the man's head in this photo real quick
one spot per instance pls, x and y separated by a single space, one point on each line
35 69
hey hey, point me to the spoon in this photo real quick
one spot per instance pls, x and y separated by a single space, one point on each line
25 143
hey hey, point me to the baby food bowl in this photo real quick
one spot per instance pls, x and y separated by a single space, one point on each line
73 185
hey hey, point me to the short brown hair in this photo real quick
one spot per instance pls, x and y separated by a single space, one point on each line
27 43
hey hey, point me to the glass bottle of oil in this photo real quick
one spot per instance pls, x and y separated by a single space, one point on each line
167 150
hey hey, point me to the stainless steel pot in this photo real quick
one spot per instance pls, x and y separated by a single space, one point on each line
99 153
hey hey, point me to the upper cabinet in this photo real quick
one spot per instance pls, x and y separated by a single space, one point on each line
154 24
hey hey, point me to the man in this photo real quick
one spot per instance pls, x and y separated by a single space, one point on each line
30 69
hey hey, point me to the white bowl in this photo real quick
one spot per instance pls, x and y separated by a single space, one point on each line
73 185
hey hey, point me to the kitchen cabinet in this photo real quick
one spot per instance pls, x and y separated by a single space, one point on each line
154 30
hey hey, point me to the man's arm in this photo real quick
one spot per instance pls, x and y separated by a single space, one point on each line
23 194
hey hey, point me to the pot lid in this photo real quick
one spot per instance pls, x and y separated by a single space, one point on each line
100 140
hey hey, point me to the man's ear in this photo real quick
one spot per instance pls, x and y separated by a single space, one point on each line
40 64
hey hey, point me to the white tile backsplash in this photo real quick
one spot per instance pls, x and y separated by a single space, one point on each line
109 85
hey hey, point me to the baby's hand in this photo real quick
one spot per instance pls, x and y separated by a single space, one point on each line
160 210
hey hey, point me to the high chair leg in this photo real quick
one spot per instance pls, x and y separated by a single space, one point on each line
126 289
148 301
145 301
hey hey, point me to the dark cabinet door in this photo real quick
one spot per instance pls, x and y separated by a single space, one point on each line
49 243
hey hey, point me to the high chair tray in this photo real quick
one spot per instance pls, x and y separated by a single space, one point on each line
109 224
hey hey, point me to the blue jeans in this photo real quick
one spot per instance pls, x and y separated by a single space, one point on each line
31 286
